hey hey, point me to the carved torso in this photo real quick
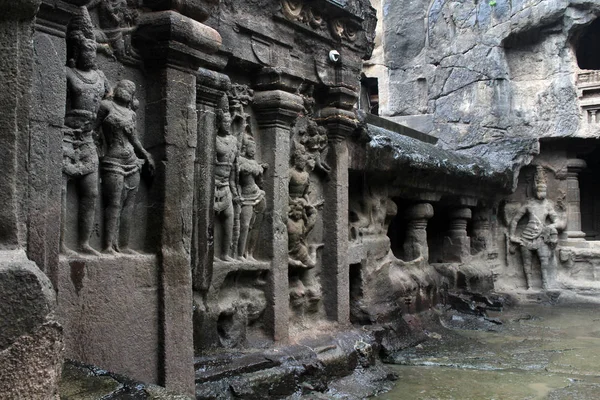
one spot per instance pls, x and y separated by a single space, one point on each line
85 90
226 149
299 182
249 172
118 126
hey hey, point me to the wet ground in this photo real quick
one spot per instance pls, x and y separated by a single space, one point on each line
528 352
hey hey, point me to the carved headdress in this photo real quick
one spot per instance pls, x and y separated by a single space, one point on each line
80 33
540 177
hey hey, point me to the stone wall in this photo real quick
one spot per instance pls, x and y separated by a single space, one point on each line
474 72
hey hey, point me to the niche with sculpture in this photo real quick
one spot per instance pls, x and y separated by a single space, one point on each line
239 202
533 228
236 300
103 155
308 174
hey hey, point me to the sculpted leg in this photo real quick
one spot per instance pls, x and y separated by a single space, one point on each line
132 183
255 223
112 185
245 220
88 193
547 266
527 256
227 233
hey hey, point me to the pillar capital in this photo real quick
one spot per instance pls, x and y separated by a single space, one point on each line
277 108
197 10
54 15
170 38
277 79
342 97
210 86
575 166
460 213
419 211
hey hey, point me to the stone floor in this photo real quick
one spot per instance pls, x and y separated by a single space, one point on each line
536 351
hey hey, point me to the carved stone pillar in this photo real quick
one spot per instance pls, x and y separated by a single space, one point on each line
481 239
340 122
172 46
277 108
16 77
457 245
30 337
210 87
415 244
46 123
574 233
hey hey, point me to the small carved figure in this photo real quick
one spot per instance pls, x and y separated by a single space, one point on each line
120 165
226 194
117 22
540 235
313 138
301 220
302 214
252 198
86 87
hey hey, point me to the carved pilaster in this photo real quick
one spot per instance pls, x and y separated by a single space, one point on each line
574 233
210 88
46 122
172 46
16 64
481 239
415 244
276 109
340 123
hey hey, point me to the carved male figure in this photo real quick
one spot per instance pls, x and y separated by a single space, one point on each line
86 87
252 197
120 165
539 237
226 193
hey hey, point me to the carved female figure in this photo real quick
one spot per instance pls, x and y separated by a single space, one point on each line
86 86
252 198
225 180
120 165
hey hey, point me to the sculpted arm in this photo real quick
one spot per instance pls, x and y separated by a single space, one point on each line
233 179
553 216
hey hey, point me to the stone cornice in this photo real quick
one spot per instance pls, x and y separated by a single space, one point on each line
170 37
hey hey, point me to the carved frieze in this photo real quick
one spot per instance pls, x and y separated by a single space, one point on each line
342 29
117 21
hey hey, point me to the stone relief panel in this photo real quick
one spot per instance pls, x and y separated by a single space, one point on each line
117 19
86 87
120 166
307 175
234 305
239 199
103 156
533 227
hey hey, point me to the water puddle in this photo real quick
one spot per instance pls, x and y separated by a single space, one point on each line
539 352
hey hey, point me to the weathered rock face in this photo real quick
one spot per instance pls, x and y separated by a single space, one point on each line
481 71
31 347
